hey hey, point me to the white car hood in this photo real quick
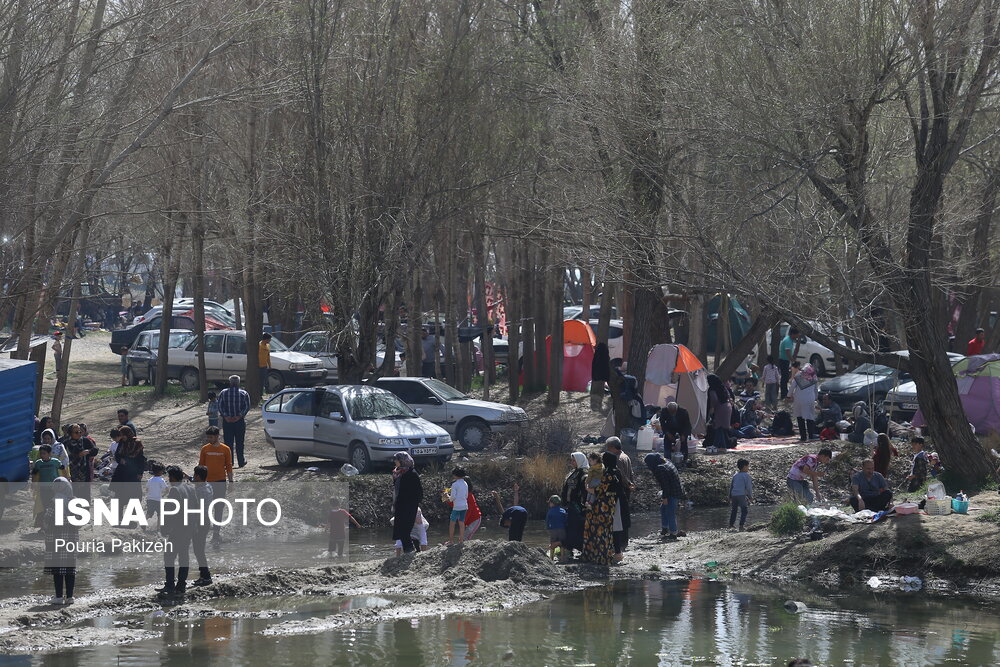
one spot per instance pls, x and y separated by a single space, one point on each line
480 405
293 357
416 427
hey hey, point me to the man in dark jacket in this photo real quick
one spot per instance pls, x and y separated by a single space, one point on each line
178 535
675 422
671 492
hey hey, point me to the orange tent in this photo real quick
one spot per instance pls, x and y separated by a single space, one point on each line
578 354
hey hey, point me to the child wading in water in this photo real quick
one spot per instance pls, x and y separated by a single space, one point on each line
555 521
336 522
458 495
740 493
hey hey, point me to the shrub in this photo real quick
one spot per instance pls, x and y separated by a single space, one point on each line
549 435
989 516
787 519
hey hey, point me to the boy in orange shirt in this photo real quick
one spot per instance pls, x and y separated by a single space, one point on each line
218 459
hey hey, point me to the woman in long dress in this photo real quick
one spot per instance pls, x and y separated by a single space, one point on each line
803 391
407 493
598 540
574 499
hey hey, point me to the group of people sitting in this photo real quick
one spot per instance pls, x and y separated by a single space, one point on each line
870 489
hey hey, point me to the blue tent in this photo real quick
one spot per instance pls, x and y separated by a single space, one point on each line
17 420
739 321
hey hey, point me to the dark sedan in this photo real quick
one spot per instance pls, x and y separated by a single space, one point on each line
868 382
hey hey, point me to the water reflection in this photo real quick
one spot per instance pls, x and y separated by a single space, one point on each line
684 622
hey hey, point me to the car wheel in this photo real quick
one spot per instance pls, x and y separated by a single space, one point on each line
285 459
817 363
132 379
275 382
360 458
189 379
474 435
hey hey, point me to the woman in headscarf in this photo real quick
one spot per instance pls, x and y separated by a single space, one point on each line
720 410
61 563
43 424
131 459
616 480
803 391
861 423
598 541
407 493
574 498
884 451
82 452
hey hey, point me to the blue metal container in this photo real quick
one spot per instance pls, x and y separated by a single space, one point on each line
17 417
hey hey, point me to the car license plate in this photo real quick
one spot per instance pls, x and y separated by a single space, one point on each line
424 451
911 406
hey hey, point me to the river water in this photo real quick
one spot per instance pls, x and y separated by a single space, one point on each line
675 622
681 622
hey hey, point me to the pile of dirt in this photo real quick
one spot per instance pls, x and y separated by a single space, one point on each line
483 560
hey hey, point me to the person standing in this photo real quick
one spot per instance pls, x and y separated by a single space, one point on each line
599 526
234 404
574 498
786 352
130 458
202 494
771 377
740 494
218 461
624 467
459 497
720 410
882 456
671 492
82 452
430 353
60 562
264 361
977 343
178 533
57 349
803 393
407 494
123 353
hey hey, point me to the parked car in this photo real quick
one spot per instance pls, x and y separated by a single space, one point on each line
141 358
471 421
182 306
901 402
810 351
320 345
361 425
616 337
576 312
126 337
226 354
869 383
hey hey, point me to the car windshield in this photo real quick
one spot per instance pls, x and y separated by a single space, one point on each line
377 405
447 392
179 339
873 369
277 345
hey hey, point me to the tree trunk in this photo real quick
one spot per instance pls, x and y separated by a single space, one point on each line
173 253
414 356
696 330
528 322
601 335
515 326
765 320
556 344
62 373
484 320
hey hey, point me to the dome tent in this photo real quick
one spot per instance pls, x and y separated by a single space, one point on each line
673 373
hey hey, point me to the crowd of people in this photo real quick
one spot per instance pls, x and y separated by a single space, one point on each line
66 467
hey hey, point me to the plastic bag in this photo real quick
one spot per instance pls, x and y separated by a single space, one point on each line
871 438
349 470
936 490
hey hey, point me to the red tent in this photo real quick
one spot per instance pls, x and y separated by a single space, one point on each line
578 354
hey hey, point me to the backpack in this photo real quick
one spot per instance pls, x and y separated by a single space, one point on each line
880 421
782 424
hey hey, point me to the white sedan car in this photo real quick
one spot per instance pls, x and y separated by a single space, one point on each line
468 420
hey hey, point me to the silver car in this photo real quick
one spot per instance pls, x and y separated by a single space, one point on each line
469 420
361 425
